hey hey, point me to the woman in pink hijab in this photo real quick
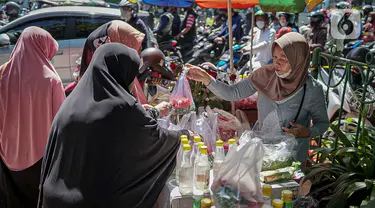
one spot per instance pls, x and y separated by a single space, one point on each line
31 93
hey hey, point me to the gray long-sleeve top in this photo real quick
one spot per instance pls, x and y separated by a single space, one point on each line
313 108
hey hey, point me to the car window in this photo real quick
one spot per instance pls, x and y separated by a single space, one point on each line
55 26
85 26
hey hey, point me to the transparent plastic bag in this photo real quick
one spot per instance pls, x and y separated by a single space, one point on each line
162 94
203 127
138 92
228 124
249 103
279 149
181 97
245 125
237 183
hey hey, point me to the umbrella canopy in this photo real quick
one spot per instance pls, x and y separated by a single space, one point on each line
223 4
170 3
290 6
311 4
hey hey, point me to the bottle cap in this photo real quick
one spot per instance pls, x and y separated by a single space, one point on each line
187 147
287 195
200 144
219 143
206 202
184 141
277 203
204 150
241 76
267 190
244 76
197 139
231 141
183 137
198 194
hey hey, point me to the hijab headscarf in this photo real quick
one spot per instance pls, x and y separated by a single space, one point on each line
104 150
275 88
30 95
112 32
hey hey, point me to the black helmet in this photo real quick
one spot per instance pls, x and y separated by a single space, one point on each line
153 59
367 9
130 3
12 9
152 55
342 5
318 15
287 16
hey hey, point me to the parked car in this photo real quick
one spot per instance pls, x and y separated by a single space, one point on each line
38 4
69 25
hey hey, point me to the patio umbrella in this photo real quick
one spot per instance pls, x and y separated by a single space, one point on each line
170 3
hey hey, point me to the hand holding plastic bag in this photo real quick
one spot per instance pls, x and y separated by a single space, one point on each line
181 97
237 183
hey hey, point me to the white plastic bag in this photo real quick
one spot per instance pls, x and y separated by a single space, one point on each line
237 183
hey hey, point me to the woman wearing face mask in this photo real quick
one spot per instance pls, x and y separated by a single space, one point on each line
285 20
288 97
263 40
104 149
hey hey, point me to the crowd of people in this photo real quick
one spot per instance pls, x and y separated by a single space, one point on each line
99 147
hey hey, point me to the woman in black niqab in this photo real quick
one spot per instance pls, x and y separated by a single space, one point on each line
104 149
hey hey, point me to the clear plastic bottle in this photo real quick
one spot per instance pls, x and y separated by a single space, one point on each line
197 139
186 172
267 195
232 146
219 156
200 144
184 140
202 172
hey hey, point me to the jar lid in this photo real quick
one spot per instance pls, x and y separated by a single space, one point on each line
198 194
206 202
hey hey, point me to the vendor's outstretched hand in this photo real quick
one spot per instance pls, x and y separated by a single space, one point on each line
298 130
198 74
163 108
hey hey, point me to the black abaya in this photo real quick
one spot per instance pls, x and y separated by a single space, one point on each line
104 149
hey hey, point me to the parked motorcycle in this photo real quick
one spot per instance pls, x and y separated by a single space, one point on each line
207 51
239 58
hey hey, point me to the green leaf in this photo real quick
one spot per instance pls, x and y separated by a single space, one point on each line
371 204
357 186
341 136
338 201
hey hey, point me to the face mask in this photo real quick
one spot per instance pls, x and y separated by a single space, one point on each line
126 15
369 19
260 24
161 10
283 24
282 76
